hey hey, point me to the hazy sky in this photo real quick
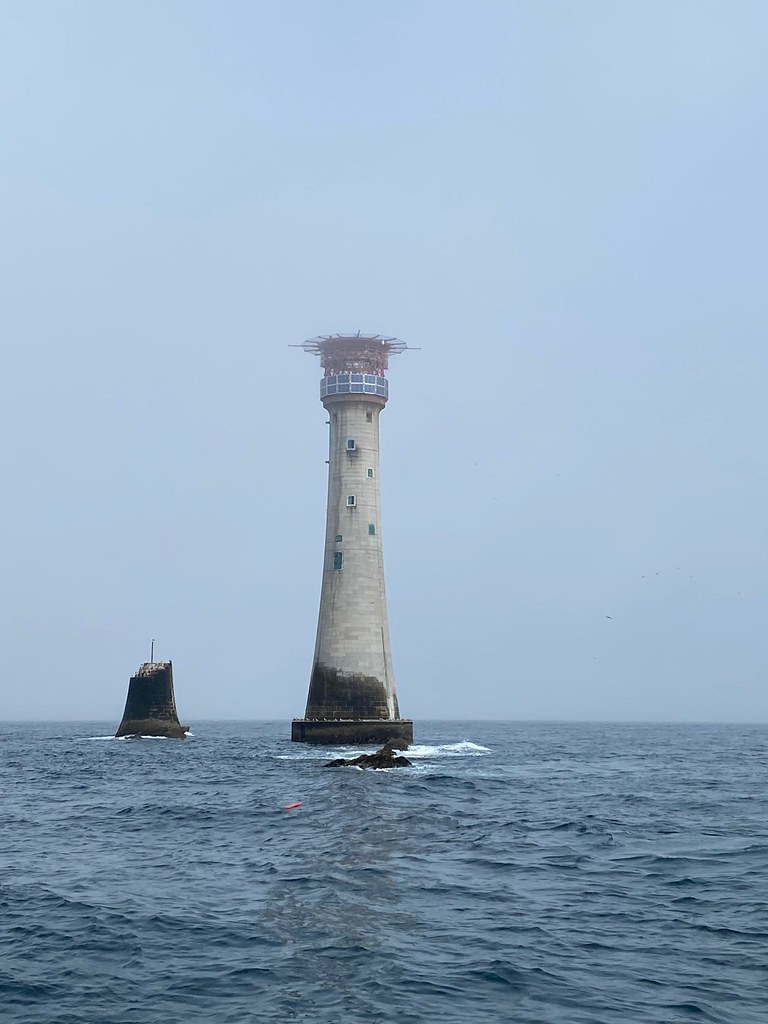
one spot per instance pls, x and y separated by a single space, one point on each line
562 203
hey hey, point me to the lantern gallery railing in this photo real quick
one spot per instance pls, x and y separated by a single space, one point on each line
354 383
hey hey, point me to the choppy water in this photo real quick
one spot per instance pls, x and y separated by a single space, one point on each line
519 872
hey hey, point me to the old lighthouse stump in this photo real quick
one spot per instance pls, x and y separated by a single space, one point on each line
150 708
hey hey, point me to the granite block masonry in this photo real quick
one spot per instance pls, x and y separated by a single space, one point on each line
150 708
352 696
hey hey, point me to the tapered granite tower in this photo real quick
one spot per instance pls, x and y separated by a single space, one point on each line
352 697
150 708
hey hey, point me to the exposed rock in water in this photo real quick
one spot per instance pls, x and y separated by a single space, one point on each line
387 757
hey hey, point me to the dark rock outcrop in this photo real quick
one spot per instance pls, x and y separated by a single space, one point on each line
387 757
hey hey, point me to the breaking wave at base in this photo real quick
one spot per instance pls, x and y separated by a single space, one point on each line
420 751
466 748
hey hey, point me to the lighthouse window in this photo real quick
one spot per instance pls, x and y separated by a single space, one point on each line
369 417
338 561
372 529
351 500
351 445
338 538
369 473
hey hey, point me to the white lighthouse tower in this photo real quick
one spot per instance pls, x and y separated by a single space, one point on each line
352 696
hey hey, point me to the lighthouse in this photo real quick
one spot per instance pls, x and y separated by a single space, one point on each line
352 695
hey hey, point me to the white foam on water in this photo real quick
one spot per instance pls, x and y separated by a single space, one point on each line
466 748
328 752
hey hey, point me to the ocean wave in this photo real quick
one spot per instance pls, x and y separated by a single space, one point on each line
121 739
177 888
465 748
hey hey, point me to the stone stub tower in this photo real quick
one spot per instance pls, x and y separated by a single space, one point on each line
150 707
352 696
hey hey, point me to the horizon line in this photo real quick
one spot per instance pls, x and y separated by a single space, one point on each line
498 721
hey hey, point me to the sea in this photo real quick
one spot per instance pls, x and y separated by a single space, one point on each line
535 873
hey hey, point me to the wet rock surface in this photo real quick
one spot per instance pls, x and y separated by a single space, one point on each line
386 757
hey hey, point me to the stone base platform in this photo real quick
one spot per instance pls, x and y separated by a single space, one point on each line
351 732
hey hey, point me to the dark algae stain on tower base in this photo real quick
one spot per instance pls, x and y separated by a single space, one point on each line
150 708
352 696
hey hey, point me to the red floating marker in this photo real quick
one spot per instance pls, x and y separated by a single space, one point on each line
290 807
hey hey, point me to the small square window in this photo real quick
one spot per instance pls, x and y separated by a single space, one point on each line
338 561
369 417
369 473
372 529
351 445
338 538
351 500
